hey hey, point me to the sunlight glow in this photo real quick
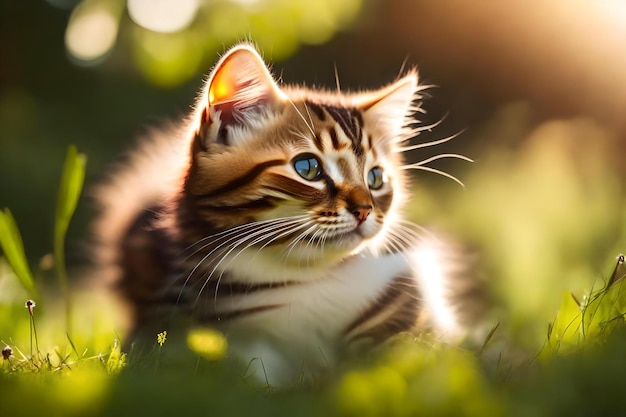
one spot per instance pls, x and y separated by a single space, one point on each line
91 32
433 272
613 10
246 2
223 86
165 16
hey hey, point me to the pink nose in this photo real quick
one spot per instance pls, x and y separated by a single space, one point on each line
361 212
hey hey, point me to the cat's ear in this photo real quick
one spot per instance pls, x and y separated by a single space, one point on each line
391 106
239 91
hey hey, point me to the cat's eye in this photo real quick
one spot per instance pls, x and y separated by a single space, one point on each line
308 166
375 178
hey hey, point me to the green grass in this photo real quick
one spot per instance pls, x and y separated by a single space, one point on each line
559 359
575 374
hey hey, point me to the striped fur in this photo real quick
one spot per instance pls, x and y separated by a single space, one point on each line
292 270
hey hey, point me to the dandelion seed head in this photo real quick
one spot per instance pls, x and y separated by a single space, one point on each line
7 352
30 304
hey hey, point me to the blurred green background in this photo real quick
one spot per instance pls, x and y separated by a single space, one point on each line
538 89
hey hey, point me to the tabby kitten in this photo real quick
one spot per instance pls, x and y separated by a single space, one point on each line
274 215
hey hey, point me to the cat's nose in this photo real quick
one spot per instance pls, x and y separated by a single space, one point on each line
361 212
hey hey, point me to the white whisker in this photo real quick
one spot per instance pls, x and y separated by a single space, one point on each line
436 171
410 226
310 126
232 235
297 239
426 128
274 233
299 134
314 239
324 241
438 157
288 232
310 118
272 229
428 144
231 231
214 236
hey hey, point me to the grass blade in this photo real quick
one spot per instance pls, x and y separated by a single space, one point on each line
70 188
13 249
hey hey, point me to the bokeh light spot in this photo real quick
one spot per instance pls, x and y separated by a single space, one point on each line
91 32
165 16
166 60
207 343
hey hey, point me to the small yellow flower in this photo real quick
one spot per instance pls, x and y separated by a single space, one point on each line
117 360
161 337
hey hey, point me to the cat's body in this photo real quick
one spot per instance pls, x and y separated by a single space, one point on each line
275 216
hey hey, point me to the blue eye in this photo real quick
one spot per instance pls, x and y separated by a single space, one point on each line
308 166
375 178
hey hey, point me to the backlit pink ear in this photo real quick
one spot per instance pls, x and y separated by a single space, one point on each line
240 86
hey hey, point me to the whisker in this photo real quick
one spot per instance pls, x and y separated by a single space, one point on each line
313 239
232 230
406 237
323 243
428 128
429 144
401 235
297 239
411 226
212 236
273 235
286 233
392 242
438 157
272 229
299 134
310 118
436 171
400 247
302 117
232 235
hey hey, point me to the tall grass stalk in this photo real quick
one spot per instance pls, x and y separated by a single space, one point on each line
30 305
70 188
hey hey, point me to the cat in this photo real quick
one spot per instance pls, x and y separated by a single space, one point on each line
274 214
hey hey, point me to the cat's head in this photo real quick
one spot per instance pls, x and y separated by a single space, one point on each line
303 171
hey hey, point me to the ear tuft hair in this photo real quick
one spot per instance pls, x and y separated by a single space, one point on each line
393 106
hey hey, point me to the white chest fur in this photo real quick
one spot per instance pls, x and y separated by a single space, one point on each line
303 334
